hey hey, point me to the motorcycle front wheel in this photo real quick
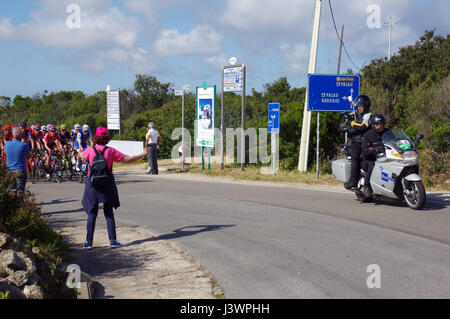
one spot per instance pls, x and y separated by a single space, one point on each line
415 195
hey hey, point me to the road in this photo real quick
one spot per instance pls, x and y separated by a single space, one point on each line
278 241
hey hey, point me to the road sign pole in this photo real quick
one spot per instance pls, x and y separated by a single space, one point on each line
306 127
274 152
182 131
318 149
222 165
203 159
243 122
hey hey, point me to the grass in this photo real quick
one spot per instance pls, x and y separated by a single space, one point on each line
253 173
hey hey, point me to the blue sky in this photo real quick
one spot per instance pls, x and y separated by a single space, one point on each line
187 41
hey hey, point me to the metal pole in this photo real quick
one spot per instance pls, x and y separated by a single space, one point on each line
274 153
243 122
182 130
306 127
203 159
222 165
318 149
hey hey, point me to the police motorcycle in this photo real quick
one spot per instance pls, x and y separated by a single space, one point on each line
395 174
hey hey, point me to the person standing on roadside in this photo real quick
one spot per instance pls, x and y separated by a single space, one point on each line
105 192
152 142
16 156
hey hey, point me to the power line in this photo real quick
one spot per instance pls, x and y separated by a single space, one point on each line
343 44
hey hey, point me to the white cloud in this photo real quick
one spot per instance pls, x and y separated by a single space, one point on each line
216 62
202 40
106 34
267 15
7 30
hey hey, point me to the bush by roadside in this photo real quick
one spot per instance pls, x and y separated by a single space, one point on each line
27 236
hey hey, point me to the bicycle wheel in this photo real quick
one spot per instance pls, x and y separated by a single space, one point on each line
58 171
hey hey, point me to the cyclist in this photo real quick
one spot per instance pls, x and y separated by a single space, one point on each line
51 143
25 133
83 136
7 133
36 137
65 138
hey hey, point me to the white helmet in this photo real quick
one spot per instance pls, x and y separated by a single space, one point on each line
44 128
77 127
85 128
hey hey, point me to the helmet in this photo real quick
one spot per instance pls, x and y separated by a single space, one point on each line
22 124
63 127
77 127
52 128
362 101
85 128
33 127
378 119
7 127
37 127
44 128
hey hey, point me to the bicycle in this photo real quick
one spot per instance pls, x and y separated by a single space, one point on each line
34 167
67 166
83 170
55 166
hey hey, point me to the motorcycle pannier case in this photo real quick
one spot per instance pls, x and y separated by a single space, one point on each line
341 170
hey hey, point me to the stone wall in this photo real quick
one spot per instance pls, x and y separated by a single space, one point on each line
17 270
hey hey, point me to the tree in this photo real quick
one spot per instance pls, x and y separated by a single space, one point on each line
151 93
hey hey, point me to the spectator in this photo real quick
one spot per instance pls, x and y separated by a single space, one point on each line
16 156
152 142
107 195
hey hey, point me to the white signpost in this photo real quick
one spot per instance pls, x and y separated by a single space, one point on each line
113 110
233 80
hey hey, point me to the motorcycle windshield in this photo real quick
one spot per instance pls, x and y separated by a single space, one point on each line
398 140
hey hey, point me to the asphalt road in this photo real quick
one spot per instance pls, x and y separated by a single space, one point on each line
268 241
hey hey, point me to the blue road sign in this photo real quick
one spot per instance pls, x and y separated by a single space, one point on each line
274 118
329 93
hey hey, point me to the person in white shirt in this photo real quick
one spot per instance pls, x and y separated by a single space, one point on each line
152 141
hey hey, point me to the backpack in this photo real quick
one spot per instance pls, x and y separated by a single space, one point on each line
100 175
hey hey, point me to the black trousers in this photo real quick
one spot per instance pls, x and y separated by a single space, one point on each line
355 153
153 158
368 166
110 221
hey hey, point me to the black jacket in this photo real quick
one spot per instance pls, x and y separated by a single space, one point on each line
359 127
369 148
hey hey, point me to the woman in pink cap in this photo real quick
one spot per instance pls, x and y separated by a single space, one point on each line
106 193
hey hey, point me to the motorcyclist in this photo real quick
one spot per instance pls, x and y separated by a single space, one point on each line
356 130
371 146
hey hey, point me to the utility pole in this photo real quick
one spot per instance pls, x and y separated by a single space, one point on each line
340 50
390 25
306 127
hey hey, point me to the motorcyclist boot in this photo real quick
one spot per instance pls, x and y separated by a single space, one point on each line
350 185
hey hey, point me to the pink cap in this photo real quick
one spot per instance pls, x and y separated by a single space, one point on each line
101 131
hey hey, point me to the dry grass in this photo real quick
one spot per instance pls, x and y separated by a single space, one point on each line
251 173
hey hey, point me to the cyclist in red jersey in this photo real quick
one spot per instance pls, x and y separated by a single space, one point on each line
36 137
7 133
51 143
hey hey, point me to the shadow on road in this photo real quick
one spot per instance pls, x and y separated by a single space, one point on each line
181 232
434 202
59 201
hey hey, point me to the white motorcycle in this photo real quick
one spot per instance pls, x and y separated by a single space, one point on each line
395 174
